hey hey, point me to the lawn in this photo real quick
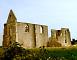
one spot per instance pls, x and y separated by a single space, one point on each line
69 53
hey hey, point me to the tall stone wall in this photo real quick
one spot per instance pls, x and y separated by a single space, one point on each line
37 35
66 38
9 35
6 36
30 35
41 32
25 37
53 34
61 36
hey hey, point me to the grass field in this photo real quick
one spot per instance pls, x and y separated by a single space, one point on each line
69 53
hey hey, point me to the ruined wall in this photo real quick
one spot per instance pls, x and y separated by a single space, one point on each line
25 34
36 36
41 32
30 35
6 36
61 36
66 38
9 35
53 34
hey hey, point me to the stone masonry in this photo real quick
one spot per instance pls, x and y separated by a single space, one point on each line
61 36
32 35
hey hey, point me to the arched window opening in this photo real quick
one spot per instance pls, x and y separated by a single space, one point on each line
10 15
65 32
65 41
27 28
41 29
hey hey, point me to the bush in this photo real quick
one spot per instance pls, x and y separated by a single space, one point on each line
16 52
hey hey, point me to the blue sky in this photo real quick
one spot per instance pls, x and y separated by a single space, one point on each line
54 13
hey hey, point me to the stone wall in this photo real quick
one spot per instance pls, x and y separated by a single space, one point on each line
33 35
61 36
25 37
41 32
30 35
66 38
9 35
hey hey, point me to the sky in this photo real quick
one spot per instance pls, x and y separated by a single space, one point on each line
56 14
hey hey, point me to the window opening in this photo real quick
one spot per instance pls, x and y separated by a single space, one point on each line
27 28
41 29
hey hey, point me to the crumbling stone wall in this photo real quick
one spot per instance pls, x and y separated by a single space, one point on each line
61 36
33 35
9 35
66 37
41 32
25 37
30 35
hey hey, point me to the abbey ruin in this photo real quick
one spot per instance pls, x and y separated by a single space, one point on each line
33 35
60 37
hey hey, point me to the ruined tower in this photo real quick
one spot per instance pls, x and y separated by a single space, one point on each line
30 35
66 38
61 36
9 30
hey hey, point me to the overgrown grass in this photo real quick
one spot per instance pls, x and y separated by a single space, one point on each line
69 53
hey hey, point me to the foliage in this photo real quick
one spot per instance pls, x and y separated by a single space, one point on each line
16 52
1 52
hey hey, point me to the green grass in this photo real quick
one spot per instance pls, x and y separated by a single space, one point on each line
69 53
